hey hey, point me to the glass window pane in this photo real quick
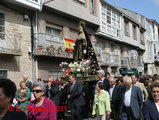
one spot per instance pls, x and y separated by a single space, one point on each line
1 22
108 11
48 30
108 19
1 29
3 73
1 16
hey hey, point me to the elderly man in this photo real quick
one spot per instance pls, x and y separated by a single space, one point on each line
76 98
141 86
28 83
101 74
131 101
114 98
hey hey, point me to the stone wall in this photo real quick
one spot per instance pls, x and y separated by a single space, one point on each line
17 66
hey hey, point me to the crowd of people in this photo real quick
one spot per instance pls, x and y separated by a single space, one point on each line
119 98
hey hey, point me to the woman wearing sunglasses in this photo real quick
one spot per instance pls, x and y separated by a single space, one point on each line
41 108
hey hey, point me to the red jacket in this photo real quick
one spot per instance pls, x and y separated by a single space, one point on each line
47 111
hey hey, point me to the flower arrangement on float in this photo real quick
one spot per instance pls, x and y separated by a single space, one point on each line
79 68
63 64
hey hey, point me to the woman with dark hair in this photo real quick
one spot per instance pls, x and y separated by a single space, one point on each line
7 94
151 106
101 105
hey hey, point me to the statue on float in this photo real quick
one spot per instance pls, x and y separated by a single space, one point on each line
83 50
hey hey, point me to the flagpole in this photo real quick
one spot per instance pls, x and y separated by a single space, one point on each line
115 3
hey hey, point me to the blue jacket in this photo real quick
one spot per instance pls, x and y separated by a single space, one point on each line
150 110
135 103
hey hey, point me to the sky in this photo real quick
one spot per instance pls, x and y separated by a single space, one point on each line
147 8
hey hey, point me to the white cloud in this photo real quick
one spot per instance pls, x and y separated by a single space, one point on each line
156 2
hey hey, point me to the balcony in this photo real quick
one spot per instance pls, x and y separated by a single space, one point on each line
32 4
105 59
10 43
43 40
133 63
124 62
114 59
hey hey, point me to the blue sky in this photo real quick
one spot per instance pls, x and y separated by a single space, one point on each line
148 8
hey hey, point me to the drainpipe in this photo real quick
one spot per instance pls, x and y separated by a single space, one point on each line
36 31
32 44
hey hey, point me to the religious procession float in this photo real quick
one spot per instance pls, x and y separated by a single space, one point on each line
84 63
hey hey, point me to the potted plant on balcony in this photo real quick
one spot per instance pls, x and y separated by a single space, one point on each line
59 49
40 47
50 49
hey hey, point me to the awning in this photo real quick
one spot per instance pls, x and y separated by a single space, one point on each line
129 72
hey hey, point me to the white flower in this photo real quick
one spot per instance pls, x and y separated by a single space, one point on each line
78 70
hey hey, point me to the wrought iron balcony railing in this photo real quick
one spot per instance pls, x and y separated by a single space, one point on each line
124 62
10 42
43 41
114 59
105 58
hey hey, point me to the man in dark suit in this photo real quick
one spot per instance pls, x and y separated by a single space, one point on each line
151 107
53 93
131 101
101 74
114 98
76 98
28 83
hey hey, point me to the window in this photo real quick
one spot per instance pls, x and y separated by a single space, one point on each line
104 22
53 32
108 15
3 73
142 37
82 2
92 6
126 28
55 74
134 32
110 21
2 26
112 49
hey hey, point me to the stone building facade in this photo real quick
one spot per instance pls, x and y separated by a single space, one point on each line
15 44
58 21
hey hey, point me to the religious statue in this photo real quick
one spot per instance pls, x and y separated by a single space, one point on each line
83 50
80 46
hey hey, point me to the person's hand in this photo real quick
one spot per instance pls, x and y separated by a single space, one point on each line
68 96
24 99
19 100
108 114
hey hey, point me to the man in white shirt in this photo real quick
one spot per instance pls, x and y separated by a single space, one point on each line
131 101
